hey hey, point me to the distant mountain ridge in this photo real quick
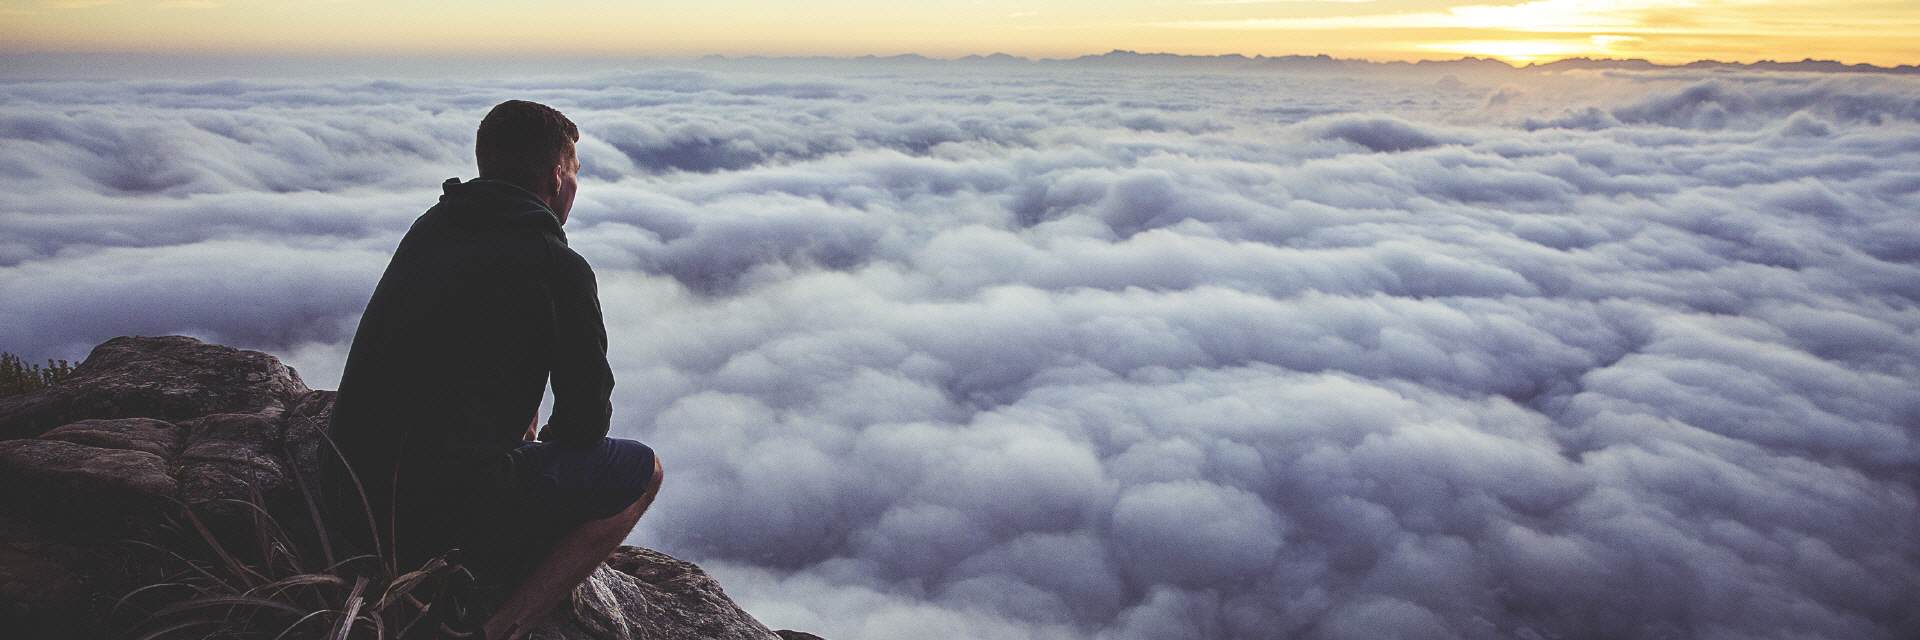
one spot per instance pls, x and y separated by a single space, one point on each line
1324 62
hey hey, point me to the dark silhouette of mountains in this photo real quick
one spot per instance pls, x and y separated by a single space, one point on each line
1134 60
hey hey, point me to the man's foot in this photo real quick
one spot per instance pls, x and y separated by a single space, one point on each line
510 632
469 609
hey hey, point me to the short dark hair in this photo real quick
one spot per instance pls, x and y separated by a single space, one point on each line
519 141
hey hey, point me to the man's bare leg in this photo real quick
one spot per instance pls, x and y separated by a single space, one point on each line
573 557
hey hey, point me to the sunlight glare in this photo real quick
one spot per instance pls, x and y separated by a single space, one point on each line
1514 51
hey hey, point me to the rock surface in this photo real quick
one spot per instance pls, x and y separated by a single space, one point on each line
146 423
165 378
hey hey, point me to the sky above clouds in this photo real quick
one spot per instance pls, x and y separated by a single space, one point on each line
1668 31
1087 353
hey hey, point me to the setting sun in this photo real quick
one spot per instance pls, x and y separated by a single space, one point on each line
1516 51
1530 51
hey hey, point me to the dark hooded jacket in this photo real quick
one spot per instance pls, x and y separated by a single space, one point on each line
482 302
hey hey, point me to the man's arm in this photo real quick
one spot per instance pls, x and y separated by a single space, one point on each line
582 381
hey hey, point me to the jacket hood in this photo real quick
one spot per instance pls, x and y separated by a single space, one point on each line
489 201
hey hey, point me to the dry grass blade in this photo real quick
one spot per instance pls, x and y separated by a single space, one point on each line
379 625
122 601
335 567
303 580
313 508
230 602
302 620
354 601
239 569
195 566
360 489
265 528
269 534
405 584
419 616
178 627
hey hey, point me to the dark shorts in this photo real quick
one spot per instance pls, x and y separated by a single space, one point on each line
576 485
551 489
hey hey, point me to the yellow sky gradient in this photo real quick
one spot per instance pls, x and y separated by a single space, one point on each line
1667 31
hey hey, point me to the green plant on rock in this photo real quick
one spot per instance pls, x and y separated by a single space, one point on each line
257 579
18 377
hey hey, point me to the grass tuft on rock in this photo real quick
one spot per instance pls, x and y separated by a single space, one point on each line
236 572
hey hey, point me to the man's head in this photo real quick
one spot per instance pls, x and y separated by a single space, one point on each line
531 145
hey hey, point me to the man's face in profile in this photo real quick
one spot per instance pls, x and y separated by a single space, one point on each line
567 176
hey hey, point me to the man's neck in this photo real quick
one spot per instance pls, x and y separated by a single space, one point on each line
546 202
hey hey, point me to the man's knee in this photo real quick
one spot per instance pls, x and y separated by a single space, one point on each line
647 492
635 456
638 507
640 504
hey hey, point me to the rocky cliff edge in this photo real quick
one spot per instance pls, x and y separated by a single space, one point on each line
146 424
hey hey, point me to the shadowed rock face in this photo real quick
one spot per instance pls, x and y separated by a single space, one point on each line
145 422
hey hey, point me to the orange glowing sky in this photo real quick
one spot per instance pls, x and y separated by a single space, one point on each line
1517 31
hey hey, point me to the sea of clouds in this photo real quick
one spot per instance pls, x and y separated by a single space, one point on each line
971 352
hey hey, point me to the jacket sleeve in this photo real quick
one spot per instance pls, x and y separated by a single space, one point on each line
582 380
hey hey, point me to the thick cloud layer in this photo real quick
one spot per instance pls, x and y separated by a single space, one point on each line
1110 355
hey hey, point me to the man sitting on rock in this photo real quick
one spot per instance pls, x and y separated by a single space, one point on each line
438 404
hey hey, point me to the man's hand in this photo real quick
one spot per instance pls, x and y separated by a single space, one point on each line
533 428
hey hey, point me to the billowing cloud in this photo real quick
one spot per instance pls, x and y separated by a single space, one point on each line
1058 354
